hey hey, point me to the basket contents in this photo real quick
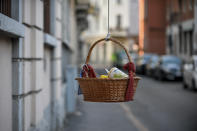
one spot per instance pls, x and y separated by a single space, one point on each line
104 76
116 73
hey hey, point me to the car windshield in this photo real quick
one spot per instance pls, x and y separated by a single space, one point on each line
171 59
154 59
146 57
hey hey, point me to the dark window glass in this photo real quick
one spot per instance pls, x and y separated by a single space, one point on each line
180 39
119 2
191 42
180 5
118 26
5 7
47 16
146 9
185 42
191 4
184 5
171 59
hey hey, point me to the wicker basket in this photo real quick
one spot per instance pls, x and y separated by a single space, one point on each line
105 90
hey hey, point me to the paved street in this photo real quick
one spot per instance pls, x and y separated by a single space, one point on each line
158 106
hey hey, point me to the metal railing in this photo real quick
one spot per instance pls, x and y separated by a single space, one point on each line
5 7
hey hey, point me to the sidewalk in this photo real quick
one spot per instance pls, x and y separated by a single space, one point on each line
99 117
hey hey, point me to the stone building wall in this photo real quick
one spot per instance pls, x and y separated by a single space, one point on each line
33 95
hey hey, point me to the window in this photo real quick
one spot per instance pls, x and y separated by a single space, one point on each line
180 5
191 4
118 25
185 42
190 33
5 7
184 5
146 9
119 2
47 16
180 39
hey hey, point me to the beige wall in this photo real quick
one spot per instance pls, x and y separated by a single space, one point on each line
42 95
6 84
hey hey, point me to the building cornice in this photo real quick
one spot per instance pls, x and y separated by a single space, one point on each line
50 40
11 27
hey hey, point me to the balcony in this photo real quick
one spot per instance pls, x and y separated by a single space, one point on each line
82 7
119 32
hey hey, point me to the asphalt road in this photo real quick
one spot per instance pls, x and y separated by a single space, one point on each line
165 106
158 106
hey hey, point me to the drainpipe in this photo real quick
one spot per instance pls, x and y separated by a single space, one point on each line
195 27
53 67
17 68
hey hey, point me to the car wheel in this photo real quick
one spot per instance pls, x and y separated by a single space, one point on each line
160 76
155 75
194 85
184 84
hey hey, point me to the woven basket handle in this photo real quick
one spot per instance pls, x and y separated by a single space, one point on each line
110 39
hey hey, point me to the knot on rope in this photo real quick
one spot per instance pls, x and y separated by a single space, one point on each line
88 71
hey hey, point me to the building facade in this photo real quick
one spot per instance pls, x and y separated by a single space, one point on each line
37 58
152 26
98 28
180 28
82 7
195 27
133 31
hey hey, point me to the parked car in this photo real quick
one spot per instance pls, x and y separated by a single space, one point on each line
134 57
122 59
142 62
168 67
190 73
151 65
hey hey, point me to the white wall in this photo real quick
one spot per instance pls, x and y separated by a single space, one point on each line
116 9
33 13
133 17
98 25
5 84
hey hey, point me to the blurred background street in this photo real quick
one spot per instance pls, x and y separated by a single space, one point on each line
44 45
158 106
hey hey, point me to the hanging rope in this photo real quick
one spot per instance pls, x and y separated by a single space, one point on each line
108 32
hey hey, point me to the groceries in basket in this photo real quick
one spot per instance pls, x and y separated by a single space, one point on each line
104 76
114 73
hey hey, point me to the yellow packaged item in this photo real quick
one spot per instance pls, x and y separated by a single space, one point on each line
104 76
